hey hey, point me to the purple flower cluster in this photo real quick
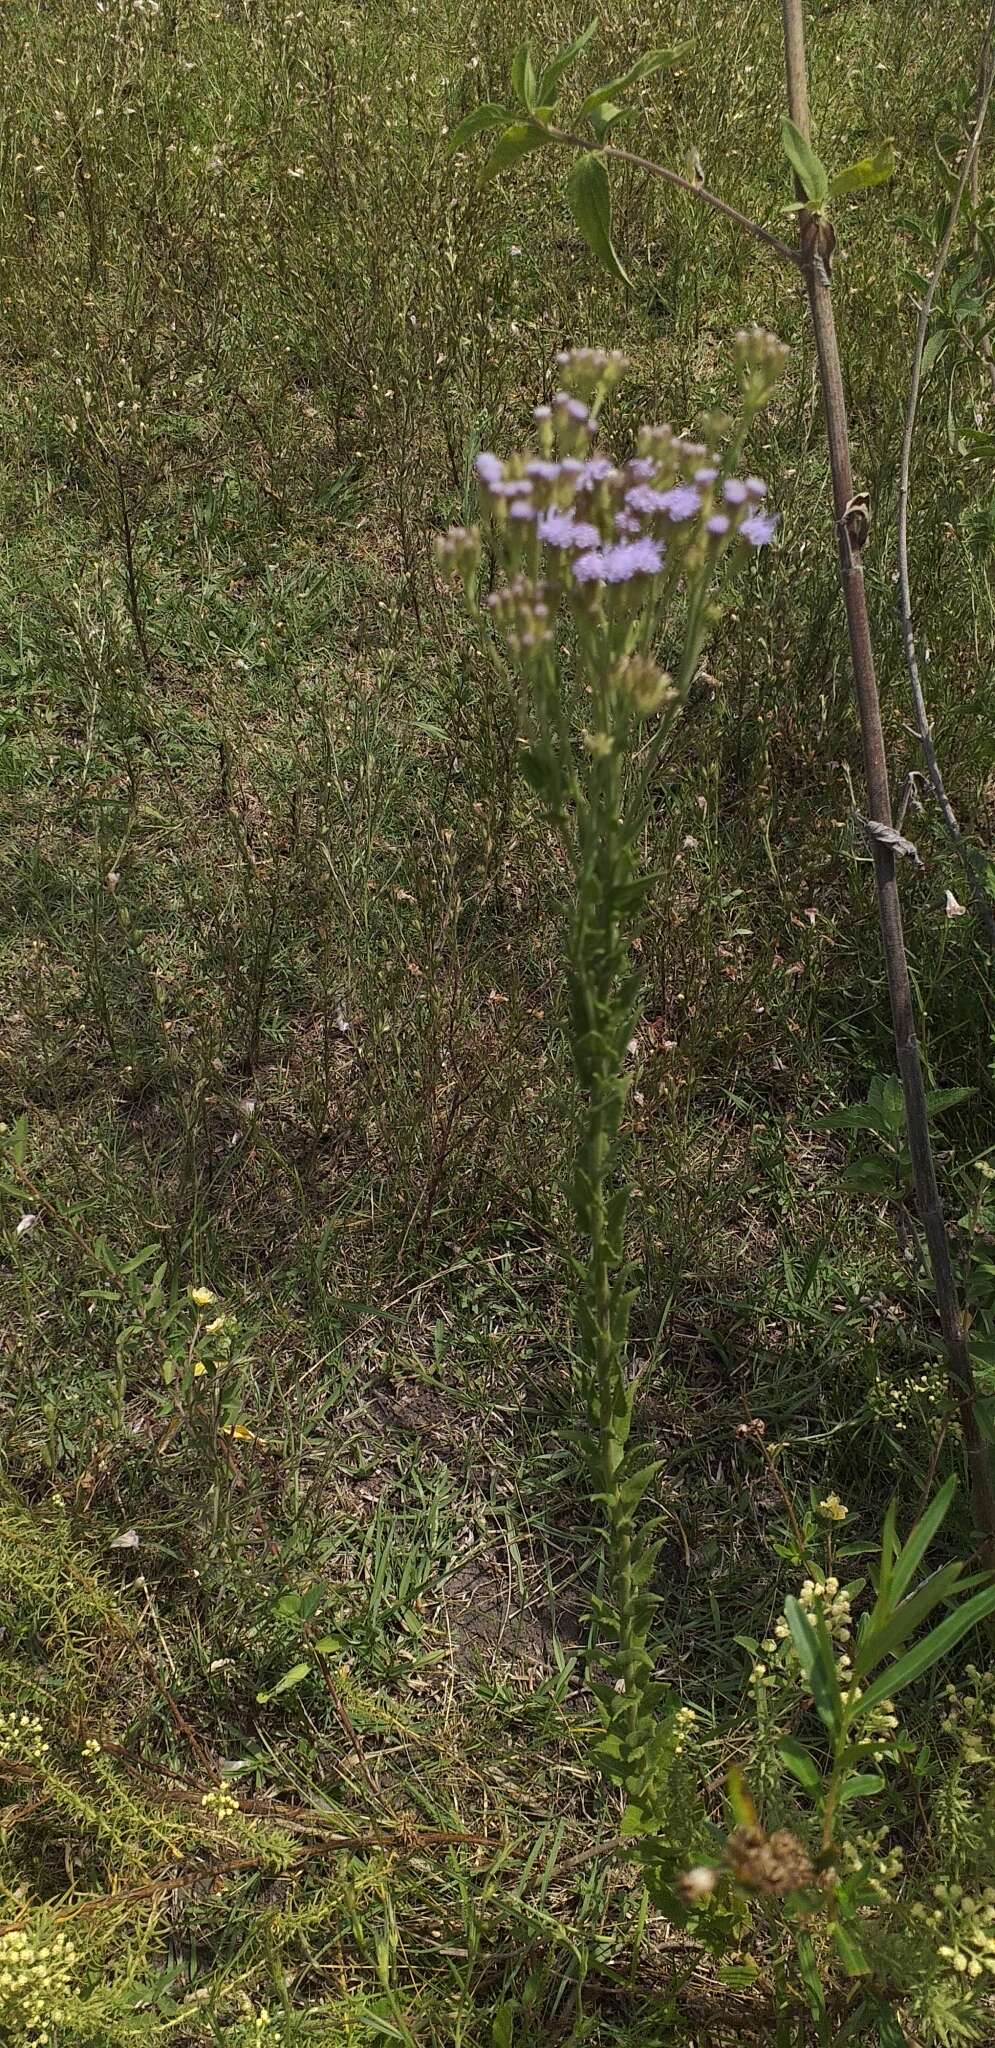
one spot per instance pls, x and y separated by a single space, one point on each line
619 562
574 524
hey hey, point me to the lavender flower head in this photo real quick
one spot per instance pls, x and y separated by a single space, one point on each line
759 528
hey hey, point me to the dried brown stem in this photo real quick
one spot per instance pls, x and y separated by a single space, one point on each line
959 1367
968 172
700 192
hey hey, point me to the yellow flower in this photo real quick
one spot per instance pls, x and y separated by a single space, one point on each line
199 1369
833 1509
202 1297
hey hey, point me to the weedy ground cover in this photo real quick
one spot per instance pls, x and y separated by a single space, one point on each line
298 1551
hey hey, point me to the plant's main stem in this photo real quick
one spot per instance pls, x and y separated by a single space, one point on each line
975 882
959 1366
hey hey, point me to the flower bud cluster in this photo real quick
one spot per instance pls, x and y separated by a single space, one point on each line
760 357
644 687
221 1802
923 1398
970 1716
834 1602
682 1728
22 1738
36 1969
968 1920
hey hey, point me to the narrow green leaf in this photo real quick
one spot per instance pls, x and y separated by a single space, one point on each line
876 1643
652 60
797 1759
810 172
560 64
744 1812
852 1956
488 115
929 1652
920 1537
523 78
517 141
810 1656
290 1678
589 194
870 170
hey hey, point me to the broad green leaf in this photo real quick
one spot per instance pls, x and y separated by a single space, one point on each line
811 174
652 60
488 115
290 1678
604 116
929 1652
560 64
517 141
870 170
818 1678
523 78
939 1099
920 1537
589 194
892 1102
870 1176
796 1759
862 1785
862 1117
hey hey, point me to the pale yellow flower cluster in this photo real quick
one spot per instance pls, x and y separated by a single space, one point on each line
22 1737
36 1970
221 1802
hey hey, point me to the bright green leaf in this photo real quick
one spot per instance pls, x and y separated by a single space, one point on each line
924 1655
920 1537
796 1759
561 63
810 172
652 60
488 115
819 1679
589 194
871 170
875 1643
517 141
862 1785
290 1678
523 78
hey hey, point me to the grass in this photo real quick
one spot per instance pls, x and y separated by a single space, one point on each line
283 1013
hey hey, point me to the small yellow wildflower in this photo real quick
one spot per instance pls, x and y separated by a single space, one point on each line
833 1509
202 1297
199 1369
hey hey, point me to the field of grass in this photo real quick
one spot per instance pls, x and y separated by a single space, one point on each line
296 1546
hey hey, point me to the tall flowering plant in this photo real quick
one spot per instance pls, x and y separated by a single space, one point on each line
593 563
